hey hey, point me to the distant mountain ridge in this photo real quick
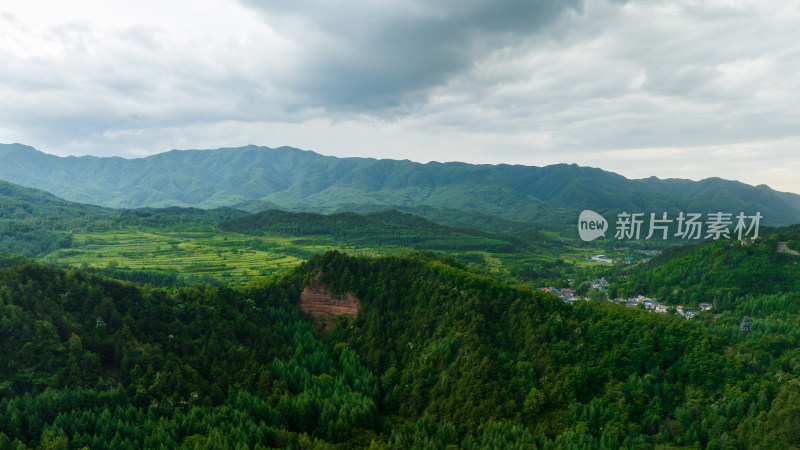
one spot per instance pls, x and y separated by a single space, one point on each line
258 178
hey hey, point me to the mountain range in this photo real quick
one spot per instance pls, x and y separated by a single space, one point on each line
258 178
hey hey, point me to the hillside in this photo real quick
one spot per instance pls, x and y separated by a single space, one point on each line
259 178
179 245
435 356
34 222
719 272
377 229
21 203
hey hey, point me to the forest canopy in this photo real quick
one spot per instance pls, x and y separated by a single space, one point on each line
437 355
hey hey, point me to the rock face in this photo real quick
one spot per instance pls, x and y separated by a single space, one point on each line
317 299
325 307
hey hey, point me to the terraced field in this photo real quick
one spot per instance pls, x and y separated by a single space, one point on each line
226 257
192 253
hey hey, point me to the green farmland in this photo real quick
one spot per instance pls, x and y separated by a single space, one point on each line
200 255
204 254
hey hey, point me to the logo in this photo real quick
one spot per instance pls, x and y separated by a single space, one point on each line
591 225
686 226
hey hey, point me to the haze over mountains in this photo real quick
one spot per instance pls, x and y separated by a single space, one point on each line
257 178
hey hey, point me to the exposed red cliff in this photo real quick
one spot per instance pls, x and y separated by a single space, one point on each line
324 306
315 300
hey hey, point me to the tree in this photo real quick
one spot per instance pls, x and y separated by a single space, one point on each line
745 326
598 296
534 402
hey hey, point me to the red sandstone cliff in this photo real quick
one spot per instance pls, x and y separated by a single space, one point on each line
317 300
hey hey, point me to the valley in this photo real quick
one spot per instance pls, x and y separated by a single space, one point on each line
211 255
378 327
199 256
516 225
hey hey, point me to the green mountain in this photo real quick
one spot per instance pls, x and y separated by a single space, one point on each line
455 218
377 229
34 222
173 215
21 203
257 178
435 356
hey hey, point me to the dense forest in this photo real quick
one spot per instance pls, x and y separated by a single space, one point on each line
380 228
437 356
257 178
34 222
440 354
716 272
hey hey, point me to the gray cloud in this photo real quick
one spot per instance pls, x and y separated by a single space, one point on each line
369 57
530 82
647 75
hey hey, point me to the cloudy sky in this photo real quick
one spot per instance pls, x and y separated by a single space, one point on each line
676 88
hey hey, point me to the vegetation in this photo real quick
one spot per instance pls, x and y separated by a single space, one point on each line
377 229
717 272
258 178
181 327
180 253
437 356
34 223
179 246
169 258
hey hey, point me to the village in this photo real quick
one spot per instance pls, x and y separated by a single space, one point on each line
569 295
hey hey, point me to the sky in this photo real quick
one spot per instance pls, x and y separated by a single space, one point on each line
673 89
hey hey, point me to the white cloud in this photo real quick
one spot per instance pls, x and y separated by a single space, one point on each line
667 88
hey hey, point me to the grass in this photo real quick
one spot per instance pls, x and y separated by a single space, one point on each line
227 257
203 253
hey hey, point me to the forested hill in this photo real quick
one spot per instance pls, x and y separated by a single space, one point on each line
721 272
436 356
258 178
21 203
34 222
381 228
